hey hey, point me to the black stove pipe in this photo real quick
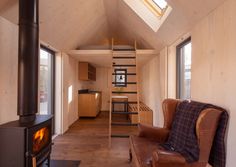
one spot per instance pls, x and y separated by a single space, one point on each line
28 57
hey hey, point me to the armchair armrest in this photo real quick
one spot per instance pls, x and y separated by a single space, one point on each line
171 158
155 133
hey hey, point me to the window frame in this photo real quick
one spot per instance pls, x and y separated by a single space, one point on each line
53 74
155 8
179 65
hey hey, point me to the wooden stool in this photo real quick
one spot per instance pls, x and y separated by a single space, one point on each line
120 100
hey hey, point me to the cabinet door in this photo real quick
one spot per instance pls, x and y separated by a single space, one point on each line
91 72
87 105
83 106
87 72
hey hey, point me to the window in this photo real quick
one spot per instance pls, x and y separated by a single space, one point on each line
157 6
46 81
120 77
160 3
184 54
152 12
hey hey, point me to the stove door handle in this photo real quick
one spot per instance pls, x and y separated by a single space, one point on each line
34 160
34 163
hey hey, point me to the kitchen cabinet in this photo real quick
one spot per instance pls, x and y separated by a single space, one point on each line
87 72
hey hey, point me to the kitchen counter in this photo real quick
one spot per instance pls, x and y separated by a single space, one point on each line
87 91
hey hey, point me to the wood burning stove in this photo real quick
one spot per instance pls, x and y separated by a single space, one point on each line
27 141
26 144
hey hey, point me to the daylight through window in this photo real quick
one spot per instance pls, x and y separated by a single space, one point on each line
121 77
160 3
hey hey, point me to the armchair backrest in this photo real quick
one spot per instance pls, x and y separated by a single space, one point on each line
168 107
205 126
205 130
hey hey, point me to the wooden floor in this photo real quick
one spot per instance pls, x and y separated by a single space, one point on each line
87 140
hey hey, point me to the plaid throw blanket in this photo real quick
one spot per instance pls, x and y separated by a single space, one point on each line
183 137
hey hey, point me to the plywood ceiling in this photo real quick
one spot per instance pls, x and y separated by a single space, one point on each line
73 24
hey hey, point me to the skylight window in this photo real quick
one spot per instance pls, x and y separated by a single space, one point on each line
152 12
160 3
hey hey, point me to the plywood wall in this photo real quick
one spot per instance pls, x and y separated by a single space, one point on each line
163 84
70 82
150 87
214 65
8 70
102 84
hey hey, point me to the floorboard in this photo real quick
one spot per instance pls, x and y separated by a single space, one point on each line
87 140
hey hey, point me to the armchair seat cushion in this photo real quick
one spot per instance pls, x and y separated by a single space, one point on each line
145 150
142 149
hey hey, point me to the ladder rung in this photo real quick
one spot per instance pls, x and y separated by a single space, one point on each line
123 57
122 112
124 52
120 135
124 124
123 49
116 92
124 65
122 102
123 74
130 83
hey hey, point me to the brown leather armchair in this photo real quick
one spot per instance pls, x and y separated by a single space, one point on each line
145 150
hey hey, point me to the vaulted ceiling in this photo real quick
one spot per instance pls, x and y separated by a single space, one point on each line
75 24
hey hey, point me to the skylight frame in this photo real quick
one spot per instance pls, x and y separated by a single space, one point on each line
155 8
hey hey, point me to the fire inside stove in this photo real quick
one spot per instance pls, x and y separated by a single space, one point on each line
40 139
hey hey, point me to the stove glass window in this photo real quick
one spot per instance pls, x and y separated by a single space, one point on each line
41 138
